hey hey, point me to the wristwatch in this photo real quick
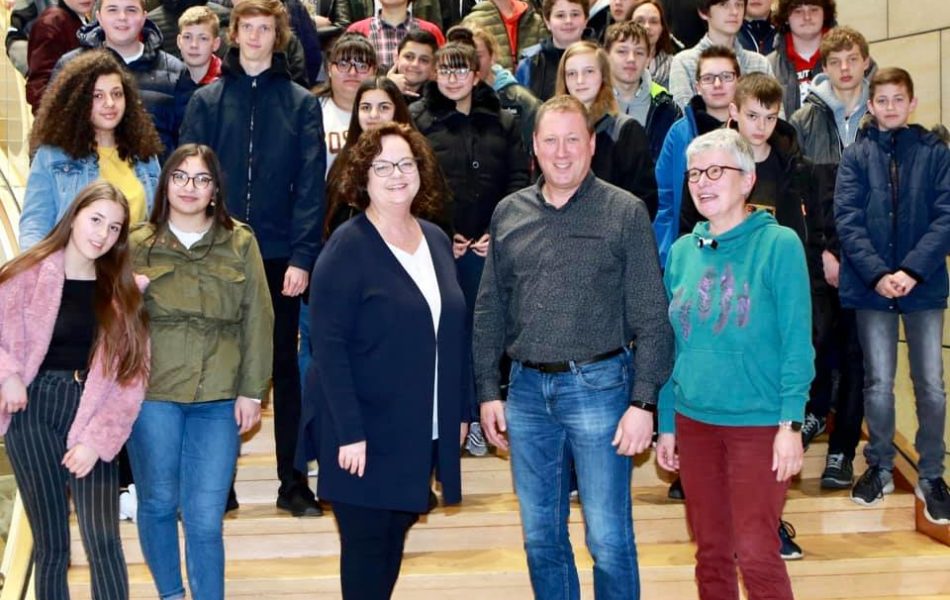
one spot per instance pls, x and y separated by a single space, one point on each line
795 426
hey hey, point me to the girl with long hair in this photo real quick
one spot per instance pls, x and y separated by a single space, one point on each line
622 155
212 339
73 367
650 14
91 125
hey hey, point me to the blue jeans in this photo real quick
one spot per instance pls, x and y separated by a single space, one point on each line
183 457
877 330
551 418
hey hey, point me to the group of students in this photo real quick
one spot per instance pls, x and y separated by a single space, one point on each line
146 288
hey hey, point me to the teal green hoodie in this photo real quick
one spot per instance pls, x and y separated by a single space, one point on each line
741 309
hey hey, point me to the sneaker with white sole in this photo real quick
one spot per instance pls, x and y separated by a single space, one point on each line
789 550
872 486
936 498
838 473
811 428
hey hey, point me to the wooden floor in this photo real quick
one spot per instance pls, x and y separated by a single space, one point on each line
474 551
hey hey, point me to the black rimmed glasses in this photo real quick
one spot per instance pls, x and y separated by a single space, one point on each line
385 168
202 180
724 77
344 66
713 172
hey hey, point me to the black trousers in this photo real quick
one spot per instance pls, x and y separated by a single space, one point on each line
839 371
371 547
286 376
36 444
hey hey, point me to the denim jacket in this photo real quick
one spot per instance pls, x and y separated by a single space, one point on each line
55 179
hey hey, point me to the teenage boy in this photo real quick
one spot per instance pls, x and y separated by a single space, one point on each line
628 50
566 20
415 62
716 74
52 35
892 209
826 123
198 40
723 20
796 59
276 161
758 34
389 27
121 27
514 23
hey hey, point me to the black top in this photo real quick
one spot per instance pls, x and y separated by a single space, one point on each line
75 329
769 175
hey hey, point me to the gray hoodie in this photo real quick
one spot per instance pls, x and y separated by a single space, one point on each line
847 124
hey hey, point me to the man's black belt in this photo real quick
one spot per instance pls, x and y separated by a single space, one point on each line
563 367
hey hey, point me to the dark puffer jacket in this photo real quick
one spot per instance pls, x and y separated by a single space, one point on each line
661 116
481 153
622 157
156 73
268 134
537 70
892 209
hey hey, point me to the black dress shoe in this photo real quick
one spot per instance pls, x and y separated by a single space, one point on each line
676 490
299 503
232 501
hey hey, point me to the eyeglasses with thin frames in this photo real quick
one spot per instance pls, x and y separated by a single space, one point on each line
457 72
713 172
201 181
385 168
344 66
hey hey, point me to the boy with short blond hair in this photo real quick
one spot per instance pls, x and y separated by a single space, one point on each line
892 209
198 40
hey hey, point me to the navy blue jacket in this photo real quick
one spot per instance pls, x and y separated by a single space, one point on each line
268 134
373 370
892 211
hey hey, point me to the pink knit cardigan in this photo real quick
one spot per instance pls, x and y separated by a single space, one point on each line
29 305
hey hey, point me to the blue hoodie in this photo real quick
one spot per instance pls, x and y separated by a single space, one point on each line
740 307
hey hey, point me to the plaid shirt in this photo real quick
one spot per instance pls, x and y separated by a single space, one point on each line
385 38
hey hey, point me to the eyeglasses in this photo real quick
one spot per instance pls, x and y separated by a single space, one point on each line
710 78
384 168
713 172
344 66
458 72
201 180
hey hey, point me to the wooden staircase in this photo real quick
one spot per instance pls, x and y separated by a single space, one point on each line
474 551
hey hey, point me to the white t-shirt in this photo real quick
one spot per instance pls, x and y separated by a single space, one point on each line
419 266
187 238
336 122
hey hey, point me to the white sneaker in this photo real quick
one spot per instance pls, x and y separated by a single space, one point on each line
128 504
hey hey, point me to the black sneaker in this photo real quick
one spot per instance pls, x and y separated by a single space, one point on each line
300 502
872 486
676 490
789 550
936 499
811 428
838 473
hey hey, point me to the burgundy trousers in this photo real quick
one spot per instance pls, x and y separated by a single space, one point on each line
733 504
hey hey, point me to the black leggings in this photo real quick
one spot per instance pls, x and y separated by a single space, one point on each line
36 444
371 546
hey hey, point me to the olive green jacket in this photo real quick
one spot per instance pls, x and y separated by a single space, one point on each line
210 311
531 30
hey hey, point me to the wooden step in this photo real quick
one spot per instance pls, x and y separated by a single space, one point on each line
487 521
895 563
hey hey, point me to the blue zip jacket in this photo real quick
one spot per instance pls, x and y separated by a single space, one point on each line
55 179
892 211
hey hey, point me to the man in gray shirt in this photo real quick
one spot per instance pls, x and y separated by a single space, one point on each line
571 279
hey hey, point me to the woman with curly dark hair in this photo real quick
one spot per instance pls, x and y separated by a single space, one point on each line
91 125
391 357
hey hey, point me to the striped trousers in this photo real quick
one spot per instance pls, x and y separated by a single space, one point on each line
36 444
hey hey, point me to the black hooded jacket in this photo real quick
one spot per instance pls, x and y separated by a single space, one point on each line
481 153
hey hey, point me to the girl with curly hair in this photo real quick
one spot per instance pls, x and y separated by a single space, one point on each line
73 367
91 125
391 357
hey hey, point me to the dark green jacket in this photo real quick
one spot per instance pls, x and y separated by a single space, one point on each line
210 311
531 30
